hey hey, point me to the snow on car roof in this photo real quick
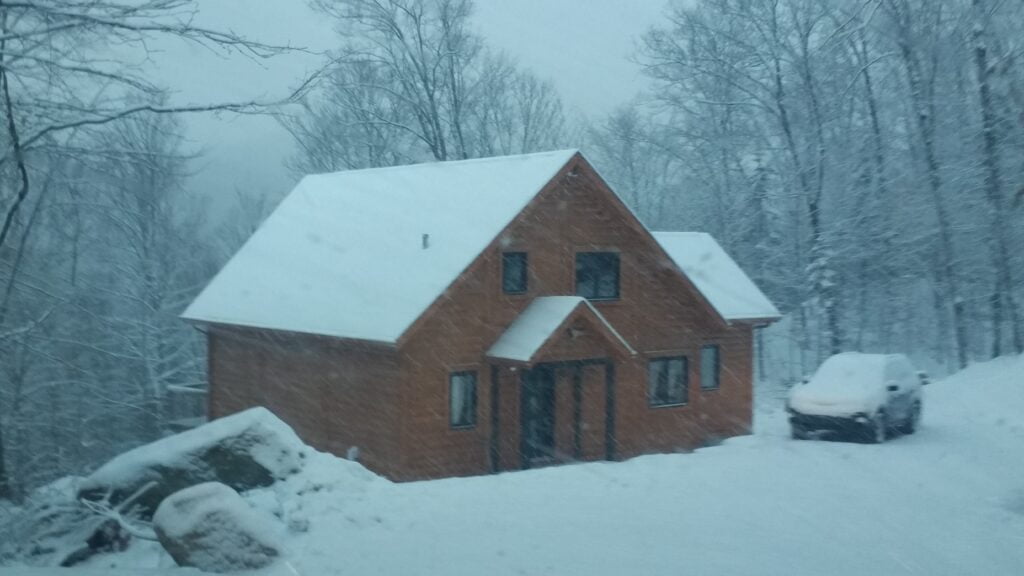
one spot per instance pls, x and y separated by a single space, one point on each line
845 383
854 369
720 280
852 365
362 254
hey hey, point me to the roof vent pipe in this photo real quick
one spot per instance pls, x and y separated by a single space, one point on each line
426 241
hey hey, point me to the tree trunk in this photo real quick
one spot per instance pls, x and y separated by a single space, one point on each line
924 115
13 135
996 304
821 278
5 485
1002 297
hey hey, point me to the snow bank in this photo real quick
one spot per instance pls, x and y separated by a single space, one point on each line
309 500
301 488
988 395
946 501
245 450
755 505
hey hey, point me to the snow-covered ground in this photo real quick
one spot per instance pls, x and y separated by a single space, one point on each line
948 500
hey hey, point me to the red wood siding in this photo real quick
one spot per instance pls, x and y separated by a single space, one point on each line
336 395
394 404
658 313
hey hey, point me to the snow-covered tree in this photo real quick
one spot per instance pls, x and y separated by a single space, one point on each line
412 82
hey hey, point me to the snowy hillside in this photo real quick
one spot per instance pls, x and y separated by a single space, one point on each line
948 500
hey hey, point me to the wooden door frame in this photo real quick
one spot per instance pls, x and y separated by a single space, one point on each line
494 448
576 366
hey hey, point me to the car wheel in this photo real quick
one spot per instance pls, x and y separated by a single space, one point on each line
877 429
910 424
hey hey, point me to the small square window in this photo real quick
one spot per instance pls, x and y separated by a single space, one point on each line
597 275
710 367
514 272
667 381
462 399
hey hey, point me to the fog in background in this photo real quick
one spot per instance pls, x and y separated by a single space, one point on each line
585 52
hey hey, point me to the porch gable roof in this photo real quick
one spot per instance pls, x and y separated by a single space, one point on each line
541 321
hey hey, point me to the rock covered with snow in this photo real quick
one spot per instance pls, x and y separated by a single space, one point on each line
210 527
247 450
56 528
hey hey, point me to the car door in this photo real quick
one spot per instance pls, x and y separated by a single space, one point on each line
898 390
894 391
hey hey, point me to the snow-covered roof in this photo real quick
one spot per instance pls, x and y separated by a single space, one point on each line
362 254
535 325
720 280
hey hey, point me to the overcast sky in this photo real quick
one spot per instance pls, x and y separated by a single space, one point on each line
583 46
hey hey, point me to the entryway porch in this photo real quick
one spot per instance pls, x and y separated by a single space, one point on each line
553 386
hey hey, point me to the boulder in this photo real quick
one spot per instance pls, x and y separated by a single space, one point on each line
210 527
247 450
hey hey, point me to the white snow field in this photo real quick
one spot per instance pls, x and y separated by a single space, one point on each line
947 500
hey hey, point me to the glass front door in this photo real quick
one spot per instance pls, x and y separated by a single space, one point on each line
538 416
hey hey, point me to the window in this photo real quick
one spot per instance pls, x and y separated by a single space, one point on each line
597 275
514 273
667 381
462 399
709 367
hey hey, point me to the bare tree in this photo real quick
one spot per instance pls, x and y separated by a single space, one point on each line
514 112
68 71
56 73
865 127
639 165
412 82
921 74
768 57
340 127
114 257
423 51
1002 299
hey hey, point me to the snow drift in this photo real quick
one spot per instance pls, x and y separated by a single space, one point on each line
199 474
948 500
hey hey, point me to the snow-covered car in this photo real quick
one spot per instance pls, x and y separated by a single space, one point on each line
870 395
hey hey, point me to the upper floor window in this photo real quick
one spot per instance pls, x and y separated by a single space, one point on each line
667 382
710 367
462 399
514 272
597 275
